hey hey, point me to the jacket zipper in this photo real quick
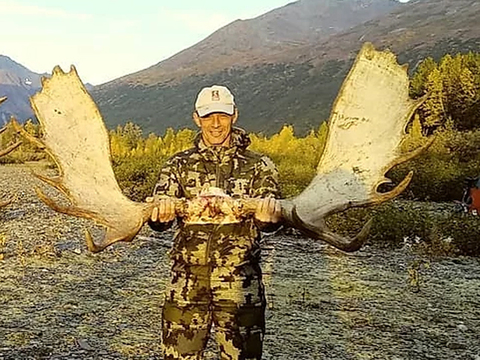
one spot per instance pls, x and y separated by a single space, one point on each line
207 251
217 184
217 175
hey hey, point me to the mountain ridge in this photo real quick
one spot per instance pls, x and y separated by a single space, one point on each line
289 71
17 83
296 85
285 28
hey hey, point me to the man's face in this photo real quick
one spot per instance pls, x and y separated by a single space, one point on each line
216 128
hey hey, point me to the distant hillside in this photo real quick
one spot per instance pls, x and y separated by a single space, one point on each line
417 29
297 77
240 56
17 83
284 67
254 41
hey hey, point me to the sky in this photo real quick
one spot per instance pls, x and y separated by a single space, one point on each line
106 39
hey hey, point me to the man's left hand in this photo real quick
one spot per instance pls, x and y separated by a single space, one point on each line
268 210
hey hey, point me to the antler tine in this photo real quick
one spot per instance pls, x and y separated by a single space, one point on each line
366 128
69 209
113 234
410 155
111 237
25 134
322 232
121 231
3 129
379 198
55 182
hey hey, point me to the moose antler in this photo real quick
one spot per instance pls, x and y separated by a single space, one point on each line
6 151
366 128
75 136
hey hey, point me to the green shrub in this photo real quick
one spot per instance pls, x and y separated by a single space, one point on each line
439 172
137 176
26 152
430 228
395 223
462 232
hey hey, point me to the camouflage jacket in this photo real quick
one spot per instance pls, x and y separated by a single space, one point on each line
236 170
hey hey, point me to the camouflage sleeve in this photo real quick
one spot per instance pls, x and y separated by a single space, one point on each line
265 183
265 179
168 184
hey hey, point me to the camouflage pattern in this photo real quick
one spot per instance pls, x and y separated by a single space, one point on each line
216 276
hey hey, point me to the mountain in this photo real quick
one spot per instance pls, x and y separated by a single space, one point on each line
17 83
246 55
417 29
285 66
254 41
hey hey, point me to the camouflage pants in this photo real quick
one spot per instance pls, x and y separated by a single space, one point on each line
231 299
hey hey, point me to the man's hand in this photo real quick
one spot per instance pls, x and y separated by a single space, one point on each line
268 210
164 211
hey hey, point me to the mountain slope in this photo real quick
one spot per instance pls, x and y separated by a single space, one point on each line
17 83
285 66
253 41
296 85
417 29
238 55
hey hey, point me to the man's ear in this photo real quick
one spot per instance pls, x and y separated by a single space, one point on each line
235 115
196 118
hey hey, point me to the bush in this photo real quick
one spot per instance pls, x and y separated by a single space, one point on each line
439 172
430 228
26 152
137 176
137 160
462 232
296 158
396 223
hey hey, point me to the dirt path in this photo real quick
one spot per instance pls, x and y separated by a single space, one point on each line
59 302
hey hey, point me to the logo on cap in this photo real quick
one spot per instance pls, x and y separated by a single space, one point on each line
215 95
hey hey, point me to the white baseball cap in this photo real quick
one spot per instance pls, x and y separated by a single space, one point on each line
214 99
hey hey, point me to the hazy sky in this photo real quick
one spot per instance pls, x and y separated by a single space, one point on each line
106 39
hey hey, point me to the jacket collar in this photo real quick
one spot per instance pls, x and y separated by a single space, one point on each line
239 142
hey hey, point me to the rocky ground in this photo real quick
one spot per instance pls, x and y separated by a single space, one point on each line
57 301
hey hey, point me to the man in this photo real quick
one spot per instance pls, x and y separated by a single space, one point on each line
216 276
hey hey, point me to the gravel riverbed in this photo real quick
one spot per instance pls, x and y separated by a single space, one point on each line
57 301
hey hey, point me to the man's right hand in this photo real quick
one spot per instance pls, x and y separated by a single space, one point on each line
164 210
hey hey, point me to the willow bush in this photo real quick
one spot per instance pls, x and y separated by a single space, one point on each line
296 158
440 171
137 160
27 151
